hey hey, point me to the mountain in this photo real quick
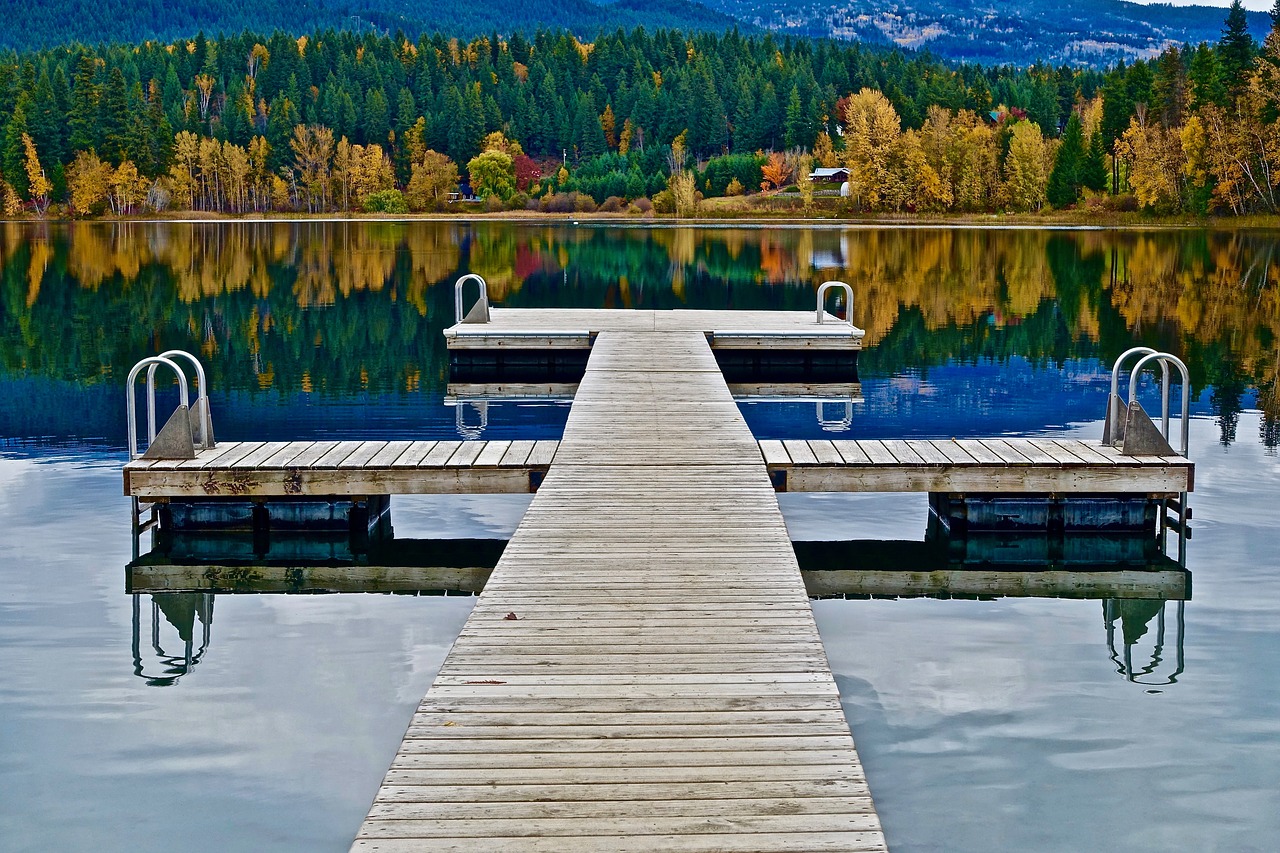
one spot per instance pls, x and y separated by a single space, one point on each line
1081 32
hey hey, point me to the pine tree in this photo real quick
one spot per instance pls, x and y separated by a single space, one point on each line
1066 179
793 131
1205 77
377 119
1093 170
82 117
1236 49
13 155
114 119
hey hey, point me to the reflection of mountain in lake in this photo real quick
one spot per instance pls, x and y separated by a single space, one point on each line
353 311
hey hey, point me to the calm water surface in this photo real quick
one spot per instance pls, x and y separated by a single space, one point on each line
984 725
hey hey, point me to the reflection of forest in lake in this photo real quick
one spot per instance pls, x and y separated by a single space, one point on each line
344 309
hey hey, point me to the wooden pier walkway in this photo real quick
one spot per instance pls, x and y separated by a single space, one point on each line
642 671
256 469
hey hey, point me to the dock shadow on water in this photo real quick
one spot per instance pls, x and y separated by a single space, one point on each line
1007 691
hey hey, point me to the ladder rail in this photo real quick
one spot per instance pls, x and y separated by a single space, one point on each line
132 406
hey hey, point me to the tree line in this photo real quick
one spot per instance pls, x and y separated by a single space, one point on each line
335 121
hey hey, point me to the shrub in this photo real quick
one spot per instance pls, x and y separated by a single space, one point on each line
519 201
493 204
734 188
664 202
559 203
386 201
643 205
583 203
612 204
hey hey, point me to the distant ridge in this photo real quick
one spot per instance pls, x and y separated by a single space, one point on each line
1078 32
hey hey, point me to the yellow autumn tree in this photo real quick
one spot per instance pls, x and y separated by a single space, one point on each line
38 183
88 182
872 127
126 189
434 176
1156 165
1026 168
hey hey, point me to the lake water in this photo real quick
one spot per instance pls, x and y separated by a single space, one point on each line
1003 725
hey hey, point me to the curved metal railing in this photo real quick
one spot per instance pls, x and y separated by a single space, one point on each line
822 296
457 295
132 407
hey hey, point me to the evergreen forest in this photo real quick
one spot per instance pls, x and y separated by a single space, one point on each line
635 121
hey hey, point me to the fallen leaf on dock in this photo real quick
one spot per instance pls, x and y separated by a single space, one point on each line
511 617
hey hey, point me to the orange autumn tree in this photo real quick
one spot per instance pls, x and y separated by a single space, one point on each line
775 171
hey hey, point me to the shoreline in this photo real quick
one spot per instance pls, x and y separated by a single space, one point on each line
1055 221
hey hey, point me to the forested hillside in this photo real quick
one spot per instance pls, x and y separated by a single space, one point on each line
60 22
335 121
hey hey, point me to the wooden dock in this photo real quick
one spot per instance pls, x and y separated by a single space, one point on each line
576 328
252 469
642 671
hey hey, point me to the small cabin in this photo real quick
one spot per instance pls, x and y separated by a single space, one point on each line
829 176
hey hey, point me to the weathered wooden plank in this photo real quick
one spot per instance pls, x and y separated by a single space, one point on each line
1031 452
414 454
543 453
800 453
851 452
902 452
774 453
877 453
953 452
979 451
362 454
466 454
491 455
440 454
825 452
309 457
1006 454
390 452
702 842
517 454
340 451
221 450
287 454
928 453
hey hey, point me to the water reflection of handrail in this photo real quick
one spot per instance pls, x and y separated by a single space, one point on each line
465 429
839 424
175 666
1125 667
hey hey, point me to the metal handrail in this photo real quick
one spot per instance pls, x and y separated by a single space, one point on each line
1115 386
151 398
202 393
822 295
457 294
1165 359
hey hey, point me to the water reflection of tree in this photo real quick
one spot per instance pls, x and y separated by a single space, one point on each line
343 308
